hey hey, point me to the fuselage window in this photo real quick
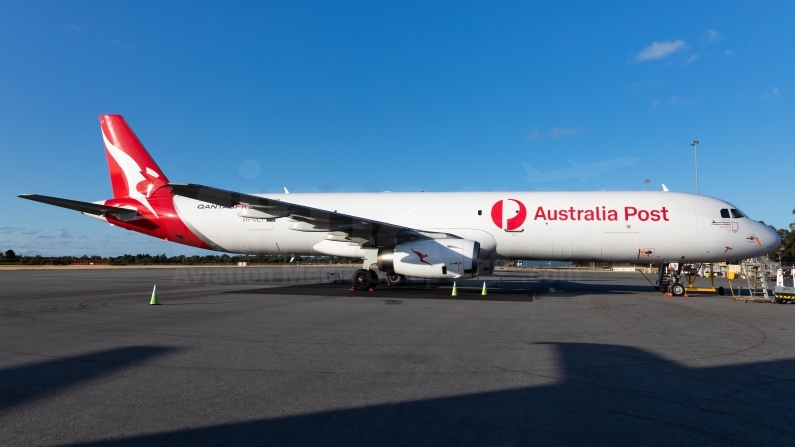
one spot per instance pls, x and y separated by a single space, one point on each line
737 214
724 213
480 212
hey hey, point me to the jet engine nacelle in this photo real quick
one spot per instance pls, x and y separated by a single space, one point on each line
432 259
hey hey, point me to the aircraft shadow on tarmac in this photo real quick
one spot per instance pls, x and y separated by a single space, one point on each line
511 291
21 384
407 291
605 395
584 288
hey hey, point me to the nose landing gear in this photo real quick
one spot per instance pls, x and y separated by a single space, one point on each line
677 289
670 276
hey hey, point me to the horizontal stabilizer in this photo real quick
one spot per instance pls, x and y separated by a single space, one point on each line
83 207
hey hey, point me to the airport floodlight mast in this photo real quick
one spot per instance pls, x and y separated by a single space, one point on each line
695 144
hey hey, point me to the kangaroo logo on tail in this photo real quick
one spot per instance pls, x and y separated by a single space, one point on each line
133 172
422 257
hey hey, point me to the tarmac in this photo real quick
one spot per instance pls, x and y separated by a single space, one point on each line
272 356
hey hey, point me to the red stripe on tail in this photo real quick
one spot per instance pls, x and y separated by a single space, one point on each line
133 172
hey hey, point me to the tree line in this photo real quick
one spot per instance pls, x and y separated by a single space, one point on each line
786 251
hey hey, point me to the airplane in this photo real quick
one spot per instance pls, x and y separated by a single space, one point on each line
579 170
431 235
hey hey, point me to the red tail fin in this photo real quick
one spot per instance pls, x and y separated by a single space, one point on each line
133 172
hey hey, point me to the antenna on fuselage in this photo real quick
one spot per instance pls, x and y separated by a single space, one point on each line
665 188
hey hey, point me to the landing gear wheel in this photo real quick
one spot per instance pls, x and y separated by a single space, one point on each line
677 289
721 291
364 279
361 279
393 279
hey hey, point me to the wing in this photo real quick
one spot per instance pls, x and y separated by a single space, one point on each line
361 230
83 207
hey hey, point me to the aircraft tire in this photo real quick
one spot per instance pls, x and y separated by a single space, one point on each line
373 277
393 279
721 291
362 279
677 289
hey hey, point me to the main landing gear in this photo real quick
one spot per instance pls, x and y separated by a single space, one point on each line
393 279
364 279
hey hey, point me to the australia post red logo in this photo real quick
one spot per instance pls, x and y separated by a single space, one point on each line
511 214
512 211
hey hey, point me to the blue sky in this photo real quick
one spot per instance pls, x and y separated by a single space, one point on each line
373 96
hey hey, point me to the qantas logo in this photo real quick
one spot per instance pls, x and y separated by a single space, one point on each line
422 257
512 222
133 175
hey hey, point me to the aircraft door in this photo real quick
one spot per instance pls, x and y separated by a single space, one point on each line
513 216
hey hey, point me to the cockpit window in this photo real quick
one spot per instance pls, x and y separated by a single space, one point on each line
724 213
737 214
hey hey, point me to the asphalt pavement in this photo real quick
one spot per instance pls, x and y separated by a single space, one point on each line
273 356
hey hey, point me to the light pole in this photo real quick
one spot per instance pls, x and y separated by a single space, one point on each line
695 144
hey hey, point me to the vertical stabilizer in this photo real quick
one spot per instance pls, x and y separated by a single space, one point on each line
133 172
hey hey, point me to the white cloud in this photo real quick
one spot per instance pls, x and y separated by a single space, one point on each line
692 58
660 50
556 132
677 101
654 105
729 53
563 133
713 35
73 27
772 95
120 45
19 230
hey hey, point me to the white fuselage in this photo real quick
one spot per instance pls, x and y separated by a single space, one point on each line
638 226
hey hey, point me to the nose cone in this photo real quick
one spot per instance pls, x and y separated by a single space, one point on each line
772 239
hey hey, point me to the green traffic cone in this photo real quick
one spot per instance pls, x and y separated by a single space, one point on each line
154 297
484 292
455 289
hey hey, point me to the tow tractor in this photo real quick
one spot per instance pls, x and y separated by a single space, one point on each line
782 292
